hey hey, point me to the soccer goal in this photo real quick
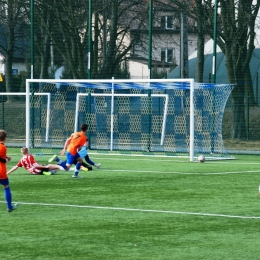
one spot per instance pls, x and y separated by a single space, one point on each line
173 116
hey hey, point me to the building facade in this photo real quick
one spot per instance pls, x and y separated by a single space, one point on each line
167 29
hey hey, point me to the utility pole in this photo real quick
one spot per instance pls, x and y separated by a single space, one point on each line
184 73
214 58
150 39
32 38
89 37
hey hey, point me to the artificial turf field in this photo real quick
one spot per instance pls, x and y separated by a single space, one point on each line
135 207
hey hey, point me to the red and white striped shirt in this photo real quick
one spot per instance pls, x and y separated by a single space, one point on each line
28 163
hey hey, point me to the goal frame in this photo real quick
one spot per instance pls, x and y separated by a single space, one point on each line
112 81
112 95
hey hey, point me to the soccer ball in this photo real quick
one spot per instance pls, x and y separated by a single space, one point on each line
201 158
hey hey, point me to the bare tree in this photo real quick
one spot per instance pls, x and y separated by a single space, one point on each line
64 25
235 37
236 40
13 34
42 40
116 42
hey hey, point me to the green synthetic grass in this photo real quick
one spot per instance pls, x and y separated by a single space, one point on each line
135 207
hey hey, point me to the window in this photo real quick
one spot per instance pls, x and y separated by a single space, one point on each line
167 22
138 40
167 55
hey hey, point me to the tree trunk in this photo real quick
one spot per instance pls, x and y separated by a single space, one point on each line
8 73
95 48
109 63
45 55
200 42
10 51
249 86
200 58
238 115
235 76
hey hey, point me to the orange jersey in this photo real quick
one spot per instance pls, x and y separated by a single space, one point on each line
3 174
76 141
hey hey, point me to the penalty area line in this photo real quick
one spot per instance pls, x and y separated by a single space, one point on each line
139 210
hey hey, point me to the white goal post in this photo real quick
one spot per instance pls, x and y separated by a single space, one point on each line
177 111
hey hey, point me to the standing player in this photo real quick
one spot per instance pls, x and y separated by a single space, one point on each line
3 176
29 163
74 143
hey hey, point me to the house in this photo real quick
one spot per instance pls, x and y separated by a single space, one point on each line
18 65
166 42
21 47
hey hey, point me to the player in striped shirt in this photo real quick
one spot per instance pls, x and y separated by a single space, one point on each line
29 163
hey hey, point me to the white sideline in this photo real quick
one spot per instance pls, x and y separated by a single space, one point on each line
185 173
139 210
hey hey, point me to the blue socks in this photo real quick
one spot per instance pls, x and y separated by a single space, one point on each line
58 160
8 197
77 168
61 163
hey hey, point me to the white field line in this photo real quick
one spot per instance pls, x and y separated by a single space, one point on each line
185 173
173 160
138 210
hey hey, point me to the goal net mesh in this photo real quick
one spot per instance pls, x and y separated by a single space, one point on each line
126 116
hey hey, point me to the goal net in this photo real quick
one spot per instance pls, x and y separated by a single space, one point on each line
177 117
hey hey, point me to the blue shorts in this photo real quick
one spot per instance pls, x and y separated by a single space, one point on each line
4 182
71 158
